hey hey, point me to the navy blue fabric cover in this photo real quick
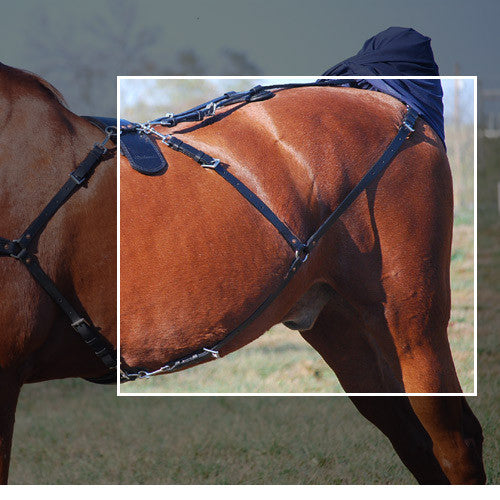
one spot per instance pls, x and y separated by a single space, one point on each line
399 52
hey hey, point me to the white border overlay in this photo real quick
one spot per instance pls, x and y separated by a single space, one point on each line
299 78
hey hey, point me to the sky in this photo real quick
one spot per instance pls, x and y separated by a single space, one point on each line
81 47
135 92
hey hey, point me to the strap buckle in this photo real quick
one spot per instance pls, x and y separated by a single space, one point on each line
412 115
78 180
408 126
80 321
209 109
213 165
21 253
213 352
167 120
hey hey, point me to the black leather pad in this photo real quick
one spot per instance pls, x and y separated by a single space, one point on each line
141 151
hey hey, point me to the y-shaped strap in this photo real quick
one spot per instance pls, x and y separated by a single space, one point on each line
20 250
301 250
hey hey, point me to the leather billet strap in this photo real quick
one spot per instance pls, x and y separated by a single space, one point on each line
302 249
202 111
207 161
21 250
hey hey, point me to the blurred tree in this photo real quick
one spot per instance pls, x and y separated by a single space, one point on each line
82 57
143 100
459 126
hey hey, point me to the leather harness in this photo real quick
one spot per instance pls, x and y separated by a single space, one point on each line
23 249
302 249
145 156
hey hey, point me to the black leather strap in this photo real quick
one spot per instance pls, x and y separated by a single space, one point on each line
20 249
88 332
404 131
76 179
257 93
208 161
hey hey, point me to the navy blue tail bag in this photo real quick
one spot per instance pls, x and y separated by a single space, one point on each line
399 52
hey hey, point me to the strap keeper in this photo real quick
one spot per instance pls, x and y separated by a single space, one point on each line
78 180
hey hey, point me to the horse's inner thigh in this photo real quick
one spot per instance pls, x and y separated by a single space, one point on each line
305 312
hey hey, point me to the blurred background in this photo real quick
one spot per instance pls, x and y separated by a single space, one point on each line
72 432
80 48
281 361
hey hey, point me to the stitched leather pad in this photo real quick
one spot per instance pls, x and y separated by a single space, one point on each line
141 151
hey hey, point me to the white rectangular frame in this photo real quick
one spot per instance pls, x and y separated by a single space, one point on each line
288 394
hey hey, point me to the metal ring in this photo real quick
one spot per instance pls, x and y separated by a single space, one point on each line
302 253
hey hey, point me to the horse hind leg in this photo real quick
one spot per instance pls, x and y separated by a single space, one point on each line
339 338
9 393
416 315
456 436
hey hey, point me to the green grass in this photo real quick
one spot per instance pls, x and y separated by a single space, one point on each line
69 432
487 403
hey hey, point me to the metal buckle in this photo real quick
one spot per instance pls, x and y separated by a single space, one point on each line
210 109
79 322
213 352
79 181
22 252
167 121
405 122
302 253
164 138
408 127
212 165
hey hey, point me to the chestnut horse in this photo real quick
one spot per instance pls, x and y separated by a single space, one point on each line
374 296
41 143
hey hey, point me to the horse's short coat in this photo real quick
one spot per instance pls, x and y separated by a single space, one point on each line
196 257
374 296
